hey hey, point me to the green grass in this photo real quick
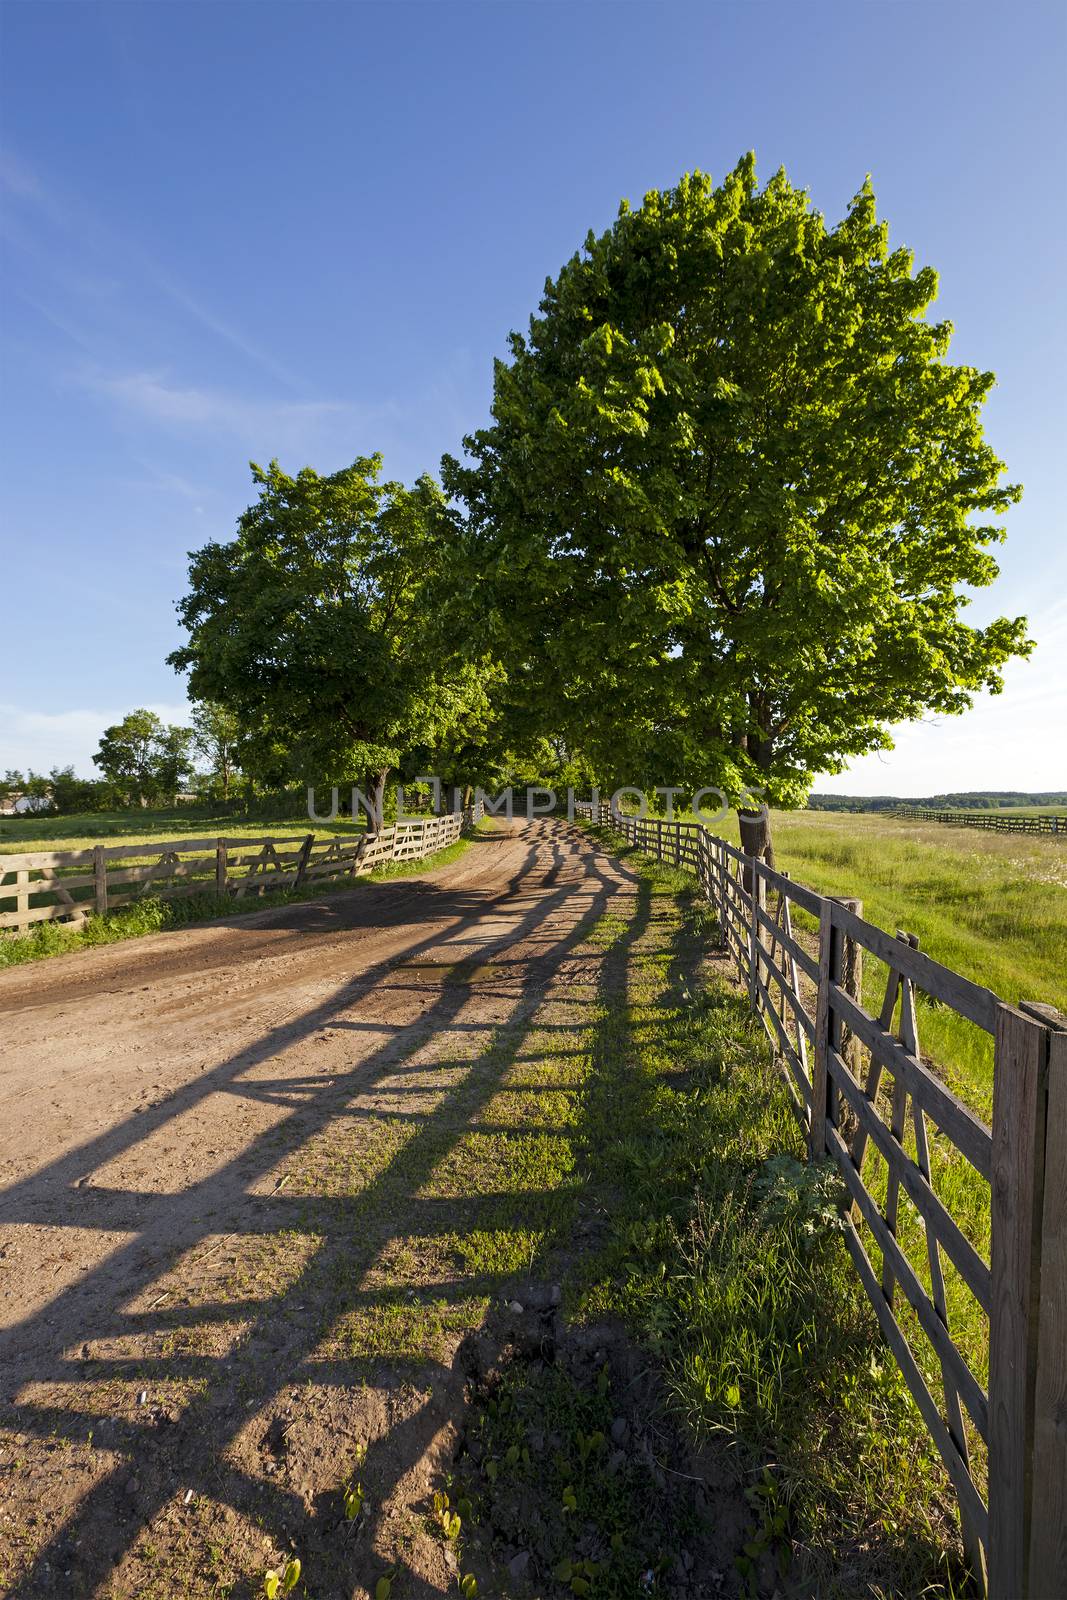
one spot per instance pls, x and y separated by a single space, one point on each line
154 914
21 835
992 907
718 1248
737 1304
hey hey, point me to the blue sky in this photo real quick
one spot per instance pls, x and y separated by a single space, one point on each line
304 230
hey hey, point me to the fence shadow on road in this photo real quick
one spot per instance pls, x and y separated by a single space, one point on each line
163 1454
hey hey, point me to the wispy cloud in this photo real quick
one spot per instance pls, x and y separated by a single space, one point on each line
71 218
46 739
15 177
262 423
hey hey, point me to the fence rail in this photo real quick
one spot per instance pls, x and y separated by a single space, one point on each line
69 885
939 1206
993 821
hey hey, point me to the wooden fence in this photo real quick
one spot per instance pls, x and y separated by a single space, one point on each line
68 885
1046 823
967 1224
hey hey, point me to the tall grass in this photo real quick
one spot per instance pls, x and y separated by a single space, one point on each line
725 1252
992 907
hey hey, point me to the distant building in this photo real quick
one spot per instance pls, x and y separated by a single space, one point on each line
19 805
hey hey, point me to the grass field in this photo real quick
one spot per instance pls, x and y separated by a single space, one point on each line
20 835
993 907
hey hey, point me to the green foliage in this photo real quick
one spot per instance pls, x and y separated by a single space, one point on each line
33 786
968 800
320 628
283 1580
730 493
142 759
217 738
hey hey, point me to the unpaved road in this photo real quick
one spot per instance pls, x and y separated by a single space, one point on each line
211 1135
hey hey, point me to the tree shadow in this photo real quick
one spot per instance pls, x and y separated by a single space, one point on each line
186 1450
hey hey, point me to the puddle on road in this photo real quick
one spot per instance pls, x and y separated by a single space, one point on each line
449 971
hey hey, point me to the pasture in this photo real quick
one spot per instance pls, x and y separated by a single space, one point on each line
77 832
992 907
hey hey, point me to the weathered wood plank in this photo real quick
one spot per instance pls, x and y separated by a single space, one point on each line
972 1269
807 899
203 868
970 1389
1019 1062
978 1005
808 965
115 852
1048 1518
970 1499
40 859
968 1133
796 1078
29 914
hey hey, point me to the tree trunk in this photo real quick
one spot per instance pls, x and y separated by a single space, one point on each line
755 828
376 795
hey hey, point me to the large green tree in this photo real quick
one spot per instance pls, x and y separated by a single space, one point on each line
733 494
145 759
323 626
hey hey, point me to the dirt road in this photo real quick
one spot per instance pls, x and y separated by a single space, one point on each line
225 1287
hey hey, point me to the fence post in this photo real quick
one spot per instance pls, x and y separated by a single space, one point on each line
758 899
99 879
659 838
220 866
840 962
829 968
1020 1091
851 981
302 863
1048 1510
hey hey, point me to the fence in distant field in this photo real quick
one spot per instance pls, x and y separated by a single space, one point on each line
69 885
851 1074
994 821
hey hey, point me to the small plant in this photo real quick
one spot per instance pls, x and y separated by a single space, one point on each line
450 1521
809 1196
354 1498
577 1575
468 1585
282 1580
763 1497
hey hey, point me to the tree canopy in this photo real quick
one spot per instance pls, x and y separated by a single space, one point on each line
143 758
323 626
733 494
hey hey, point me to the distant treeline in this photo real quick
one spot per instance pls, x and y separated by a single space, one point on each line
980 800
